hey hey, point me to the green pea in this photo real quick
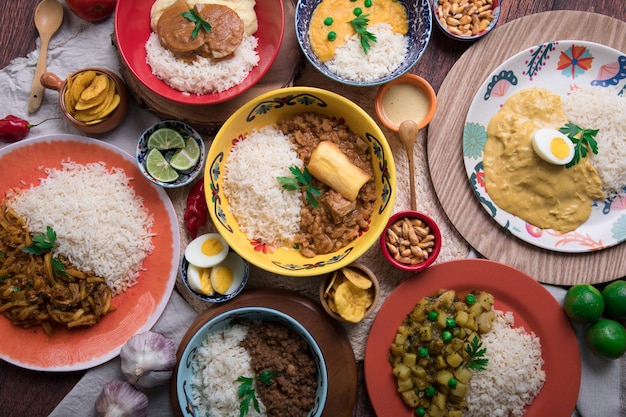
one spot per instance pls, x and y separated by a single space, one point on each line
328 21
422 352
357 11
452 383
470 299
332 36
368 3
446 335
430 391
450 322
420 411
432 315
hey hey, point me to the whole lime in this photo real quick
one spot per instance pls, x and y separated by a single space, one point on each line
606 338
615 299
583 303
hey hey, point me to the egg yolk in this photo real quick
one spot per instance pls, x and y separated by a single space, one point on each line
559 147
211 247
205 281
222 278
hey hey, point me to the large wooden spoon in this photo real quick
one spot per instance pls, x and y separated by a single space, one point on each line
48 19
409 132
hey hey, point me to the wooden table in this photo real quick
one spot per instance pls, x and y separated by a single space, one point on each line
28 393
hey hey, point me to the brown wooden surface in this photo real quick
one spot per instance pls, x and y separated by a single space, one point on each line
445 156
28 393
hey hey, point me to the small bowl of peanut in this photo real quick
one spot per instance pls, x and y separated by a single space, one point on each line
411 241
466 20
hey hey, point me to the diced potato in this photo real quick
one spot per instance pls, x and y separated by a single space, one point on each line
401 371
421 383
425 334
440 363
454 360
419 372
443 377
485 321
439 401
405 385
410 398
397 350
456 344
400 339
461 317
409 359
455 413
463 374
404 331
441 320
460 390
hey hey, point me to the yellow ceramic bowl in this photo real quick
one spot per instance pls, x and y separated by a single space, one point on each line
265 110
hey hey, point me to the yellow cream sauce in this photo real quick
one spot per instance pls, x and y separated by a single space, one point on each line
518 181
342 12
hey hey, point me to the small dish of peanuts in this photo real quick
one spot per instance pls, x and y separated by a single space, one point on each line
411 241
466 20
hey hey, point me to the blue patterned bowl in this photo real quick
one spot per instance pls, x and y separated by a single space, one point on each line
187 131
190 352
241 270
420 27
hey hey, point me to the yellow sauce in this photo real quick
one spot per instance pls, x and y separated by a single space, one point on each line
405 102
518 181
342 12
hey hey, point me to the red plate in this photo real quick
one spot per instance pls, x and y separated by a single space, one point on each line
533 306
139 307
132 30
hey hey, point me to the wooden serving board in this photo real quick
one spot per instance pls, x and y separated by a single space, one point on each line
332 339
445 150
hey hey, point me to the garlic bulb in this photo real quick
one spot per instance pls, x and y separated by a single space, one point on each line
148 359
120 399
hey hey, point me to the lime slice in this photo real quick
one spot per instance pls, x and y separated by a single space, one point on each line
158 167
166 138
186 159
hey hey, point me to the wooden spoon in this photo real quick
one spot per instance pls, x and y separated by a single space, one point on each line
408 132
48 19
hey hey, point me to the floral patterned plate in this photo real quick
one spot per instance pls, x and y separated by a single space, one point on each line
557 66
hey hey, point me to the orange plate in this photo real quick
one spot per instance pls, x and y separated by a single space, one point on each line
138 308
533 306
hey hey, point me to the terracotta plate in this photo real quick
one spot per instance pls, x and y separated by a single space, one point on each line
139 307
533 306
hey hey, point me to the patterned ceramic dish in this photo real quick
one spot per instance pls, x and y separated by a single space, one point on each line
187 353
187 131
557 66
451 29
241 271
266 110
420 27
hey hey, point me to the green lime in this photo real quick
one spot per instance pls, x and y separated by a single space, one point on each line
159 168
606 338
583 303
187 158
615 299
166 138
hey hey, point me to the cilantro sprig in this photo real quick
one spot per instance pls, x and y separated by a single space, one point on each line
359 24
584 140
44 243
194 17
247 393
301 181
476 353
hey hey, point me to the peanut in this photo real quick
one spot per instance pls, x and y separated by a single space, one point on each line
465 17
409 241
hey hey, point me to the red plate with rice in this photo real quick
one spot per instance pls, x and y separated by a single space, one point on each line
534 309
132 30
139 307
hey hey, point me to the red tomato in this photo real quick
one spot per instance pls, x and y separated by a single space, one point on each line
92 10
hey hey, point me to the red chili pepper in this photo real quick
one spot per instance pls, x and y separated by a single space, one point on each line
196 210
13 128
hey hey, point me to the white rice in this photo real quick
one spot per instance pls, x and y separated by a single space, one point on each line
601 108
204 75
100 222
384 56
514 375
216 366
264 210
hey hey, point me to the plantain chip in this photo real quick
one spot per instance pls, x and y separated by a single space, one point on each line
81 81
359 279
99 109
69 100
350 302
91 97
95 93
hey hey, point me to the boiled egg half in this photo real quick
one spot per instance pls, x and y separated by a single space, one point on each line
206 250
223 278
553 146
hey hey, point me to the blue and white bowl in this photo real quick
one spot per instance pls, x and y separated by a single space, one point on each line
187 131
241 272
420 28
185 374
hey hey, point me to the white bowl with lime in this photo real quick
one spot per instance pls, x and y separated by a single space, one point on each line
171 154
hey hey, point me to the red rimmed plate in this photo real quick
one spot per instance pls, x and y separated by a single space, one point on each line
132 30
533 306
139 307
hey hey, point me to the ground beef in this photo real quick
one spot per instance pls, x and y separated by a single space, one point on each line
274 347
325 229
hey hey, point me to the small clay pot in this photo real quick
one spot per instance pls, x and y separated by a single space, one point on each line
53 82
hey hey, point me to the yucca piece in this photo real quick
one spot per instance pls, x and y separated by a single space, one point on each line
332 167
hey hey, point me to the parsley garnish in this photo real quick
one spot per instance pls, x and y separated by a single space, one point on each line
360 26
247 393
44 243
476 353
194 17
302 180
583 140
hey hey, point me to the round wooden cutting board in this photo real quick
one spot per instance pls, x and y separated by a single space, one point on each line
445 150
332 339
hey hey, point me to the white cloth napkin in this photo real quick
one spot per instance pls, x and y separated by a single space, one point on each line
79 44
